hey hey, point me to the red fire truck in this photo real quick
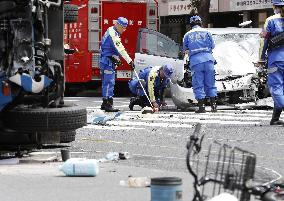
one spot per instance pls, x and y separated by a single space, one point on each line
94 17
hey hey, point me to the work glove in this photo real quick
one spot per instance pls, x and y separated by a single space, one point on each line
115 60
155 106
131 64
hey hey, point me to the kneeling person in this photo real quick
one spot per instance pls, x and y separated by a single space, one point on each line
154 80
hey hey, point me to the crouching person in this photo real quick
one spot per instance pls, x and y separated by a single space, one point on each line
154 80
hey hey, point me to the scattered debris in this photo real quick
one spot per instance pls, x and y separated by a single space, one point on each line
112 156
40 157
147 110
115 156
9 161
136 182
65 154
100 118
80 167
124 155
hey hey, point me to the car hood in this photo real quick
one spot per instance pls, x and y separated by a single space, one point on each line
235 59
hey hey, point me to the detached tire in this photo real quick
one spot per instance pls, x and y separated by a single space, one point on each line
70 13
66 118
67 136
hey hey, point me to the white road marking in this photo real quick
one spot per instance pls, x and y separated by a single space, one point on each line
98 107
208 114
71 100
194 118
112 127
151 124
67 98
136 120
188 118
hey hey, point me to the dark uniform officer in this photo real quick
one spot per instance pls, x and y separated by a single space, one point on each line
111 49
198 43
154 80
273 26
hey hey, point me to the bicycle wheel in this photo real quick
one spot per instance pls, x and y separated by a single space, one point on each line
194 147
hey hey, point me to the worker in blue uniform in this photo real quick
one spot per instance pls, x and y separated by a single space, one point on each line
154 80
274 25
111 49
198 44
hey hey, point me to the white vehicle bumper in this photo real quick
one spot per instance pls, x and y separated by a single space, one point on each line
181 96
184 97
244 82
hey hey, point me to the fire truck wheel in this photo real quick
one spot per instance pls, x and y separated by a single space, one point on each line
67 136
70 13
68 117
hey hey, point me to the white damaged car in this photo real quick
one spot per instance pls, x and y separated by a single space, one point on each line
237 79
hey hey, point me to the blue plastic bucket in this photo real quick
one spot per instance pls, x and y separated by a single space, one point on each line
166 189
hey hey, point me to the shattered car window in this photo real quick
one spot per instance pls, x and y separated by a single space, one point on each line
151 44
167 48
235 54
156 44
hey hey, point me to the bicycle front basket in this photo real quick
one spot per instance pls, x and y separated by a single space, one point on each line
223 168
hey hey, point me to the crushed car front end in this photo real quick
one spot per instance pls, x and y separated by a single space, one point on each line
237 79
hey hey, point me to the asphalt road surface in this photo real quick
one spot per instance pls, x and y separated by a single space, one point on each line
157 147
159 140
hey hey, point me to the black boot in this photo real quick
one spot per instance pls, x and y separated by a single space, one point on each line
275 117
134 101
109 106
144 102
213 104
201 106
103 106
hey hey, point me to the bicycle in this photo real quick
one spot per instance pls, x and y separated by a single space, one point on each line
227 169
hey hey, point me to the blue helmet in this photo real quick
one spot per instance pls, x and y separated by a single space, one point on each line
278 2
195 19
122 21
168 70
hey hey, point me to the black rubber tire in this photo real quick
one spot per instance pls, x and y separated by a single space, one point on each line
68 117
70 13
67 136
234 97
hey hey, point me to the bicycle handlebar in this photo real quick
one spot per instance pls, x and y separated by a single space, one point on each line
194 137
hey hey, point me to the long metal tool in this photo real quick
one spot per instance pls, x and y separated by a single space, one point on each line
143 88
